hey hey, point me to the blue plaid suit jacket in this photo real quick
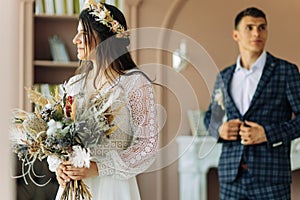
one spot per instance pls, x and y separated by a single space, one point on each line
277 96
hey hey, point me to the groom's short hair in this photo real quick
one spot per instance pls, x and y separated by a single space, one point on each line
251 11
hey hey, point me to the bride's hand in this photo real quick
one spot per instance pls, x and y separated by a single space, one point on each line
78 173
61 176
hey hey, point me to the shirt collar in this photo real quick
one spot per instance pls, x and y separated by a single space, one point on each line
259 63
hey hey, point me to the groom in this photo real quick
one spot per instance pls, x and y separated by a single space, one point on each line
253 119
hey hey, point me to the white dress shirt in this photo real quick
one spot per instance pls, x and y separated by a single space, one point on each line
244 82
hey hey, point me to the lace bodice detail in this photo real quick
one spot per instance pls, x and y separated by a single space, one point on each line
130 149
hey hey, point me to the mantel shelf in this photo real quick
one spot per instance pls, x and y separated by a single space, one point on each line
48 63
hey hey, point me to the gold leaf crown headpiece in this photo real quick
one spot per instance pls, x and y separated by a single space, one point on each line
102 15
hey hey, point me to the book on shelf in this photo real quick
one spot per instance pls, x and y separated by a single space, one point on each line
39 6
49 7
111 2
69 7
55 7
58 49
81 5
120 4
59 7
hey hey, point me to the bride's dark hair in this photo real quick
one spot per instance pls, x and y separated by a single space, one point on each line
111 50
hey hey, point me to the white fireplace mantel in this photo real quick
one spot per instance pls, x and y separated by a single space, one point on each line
197 155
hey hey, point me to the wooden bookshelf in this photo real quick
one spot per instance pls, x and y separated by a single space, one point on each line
47 63
45 69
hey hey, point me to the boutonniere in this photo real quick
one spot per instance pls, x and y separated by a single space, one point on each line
219 99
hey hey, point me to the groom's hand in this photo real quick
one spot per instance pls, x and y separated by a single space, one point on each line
230 130
252 133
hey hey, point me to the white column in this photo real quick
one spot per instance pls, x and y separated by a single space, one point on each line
9 18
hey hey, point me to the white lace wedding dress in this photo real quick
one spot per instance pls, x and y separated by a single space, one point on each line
131 148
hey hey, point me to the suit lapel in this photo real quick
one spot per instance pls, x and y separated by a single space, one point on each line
227 78
265 77
232 110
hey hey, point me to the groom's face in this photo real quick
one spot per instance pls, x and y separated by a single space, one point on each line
251 34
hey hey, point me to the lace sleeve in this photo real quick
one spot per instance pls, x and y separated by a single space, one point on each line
140 154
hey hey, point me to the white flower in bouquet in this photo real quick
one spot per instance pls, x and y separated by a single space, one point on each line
80 157
52 126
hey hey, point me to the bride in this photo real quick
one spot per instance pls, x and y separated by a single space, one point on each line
106 66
